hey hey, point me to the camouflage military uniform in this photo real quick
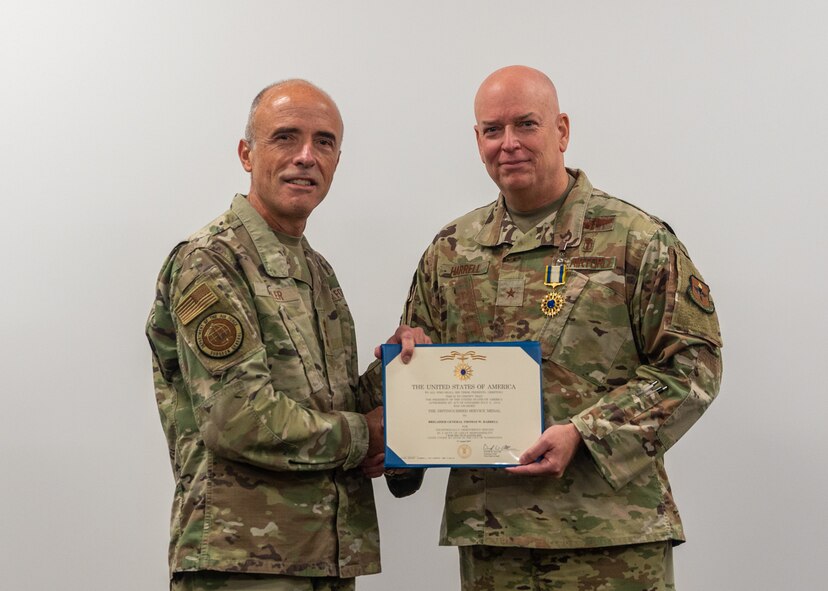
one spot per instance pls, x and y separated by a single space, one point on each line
631 359
256 376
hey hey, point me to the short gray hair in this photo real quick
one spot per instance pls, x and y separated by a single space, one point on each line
248 129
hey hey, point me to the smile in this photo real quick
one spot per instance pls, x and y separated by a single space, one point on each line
301 182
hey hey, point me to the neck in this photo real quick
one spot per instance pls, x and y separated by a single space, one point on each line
533 198
289 226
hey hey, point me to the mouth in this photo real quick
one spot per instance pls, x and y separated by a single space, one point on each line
300 182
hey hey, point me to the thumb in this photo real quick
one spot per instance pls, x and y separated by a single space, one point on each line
534 451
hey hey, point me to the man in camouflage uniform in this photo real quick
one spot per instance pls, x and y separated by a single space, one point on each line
256 377
630 346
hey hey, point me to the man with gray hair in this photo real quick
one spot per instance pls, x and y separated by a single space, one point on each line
255 371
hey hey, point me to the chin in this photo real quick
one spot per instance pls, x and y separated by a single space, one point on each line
515 185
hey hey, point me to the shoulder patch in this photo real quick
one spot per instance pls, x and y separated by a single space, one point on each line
690 306
699 293
194 303
219 335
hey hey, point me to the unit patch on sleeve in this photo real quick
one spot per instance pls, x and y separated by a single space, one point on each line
699 292
219 335
194 303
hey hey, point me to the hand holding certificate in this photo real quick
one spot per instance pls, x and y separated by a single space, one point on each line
472 404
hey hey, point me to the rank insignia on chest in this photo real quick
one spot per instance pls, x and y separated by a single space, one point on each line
553 302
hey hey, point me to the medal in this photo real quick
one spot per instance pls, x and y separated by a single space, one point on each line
553 302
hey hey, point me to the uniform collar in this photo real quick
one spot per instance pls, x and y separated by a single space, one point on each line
271 252
565 230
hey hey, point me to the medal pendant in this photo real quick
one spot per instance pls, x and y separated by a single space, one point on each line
552 303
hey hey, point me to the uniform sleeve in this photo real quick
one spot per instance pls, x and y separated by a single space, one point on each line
405 482
243 413
401 482
677 335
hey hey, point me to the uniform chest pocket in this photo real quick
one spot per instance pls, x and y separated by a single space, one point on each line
587 334
292 367
459 306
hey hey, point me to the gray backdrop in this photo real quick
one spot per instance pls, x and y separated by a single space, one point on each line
119 130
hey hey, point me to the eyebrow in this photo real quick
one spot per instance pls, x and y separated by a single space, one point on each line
325 134
279 130
518 118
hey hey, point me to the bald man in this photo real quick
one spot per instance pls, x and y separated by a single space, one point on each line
630 358
255 371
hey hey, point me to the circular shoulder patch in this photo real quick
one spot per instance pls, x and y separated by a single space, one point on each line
219 335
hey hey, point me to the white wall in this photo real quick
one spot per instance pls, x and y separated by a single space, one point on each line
119 128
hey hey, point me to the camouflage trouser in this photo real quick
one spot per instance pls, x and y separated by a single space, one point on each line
640 567
208 581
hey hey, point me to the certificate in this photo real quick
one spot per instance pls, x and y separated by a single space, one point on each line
467 404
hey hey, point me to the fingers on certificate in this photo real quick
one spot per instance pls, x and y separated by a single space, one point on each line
551 453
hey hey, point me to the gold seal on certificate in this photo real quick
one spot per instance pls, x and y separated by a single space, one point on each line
467 404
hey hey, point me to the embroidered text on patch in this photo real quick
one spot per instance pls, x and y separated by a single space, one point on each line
219 335
592 263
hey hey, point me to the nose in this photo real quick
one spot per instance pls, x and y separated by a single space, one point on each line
510 141
305 157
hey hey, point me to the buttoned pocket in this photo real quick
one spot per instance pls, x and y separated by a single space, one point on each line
292 367
586 336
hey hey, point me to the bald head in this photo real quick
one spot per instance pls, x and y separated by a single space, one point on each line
522 136
284 91
513 78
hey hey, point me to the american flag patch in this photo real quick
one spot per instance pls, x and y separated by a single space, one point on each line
198 300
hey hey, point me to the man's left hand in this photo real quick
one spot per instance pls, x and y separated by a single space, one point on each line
555 447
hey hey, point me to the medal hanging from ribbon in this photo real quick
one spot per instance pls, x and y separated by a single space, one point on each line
555 276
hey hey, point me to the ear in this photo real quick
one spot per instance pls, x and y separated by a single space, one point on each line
244 155
563 130
479 146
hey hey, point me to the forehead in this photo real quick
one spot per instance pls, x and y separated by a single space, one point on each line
300 108
498 101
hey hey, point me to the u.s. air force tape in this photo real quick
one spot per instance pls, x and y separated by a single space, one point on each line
219 335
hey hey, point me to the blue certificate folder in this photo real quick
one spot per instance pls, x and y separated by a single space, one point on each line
460 368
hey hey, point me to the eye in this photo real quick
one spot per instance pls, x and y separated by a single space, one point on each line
326 142
528 123
490 130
